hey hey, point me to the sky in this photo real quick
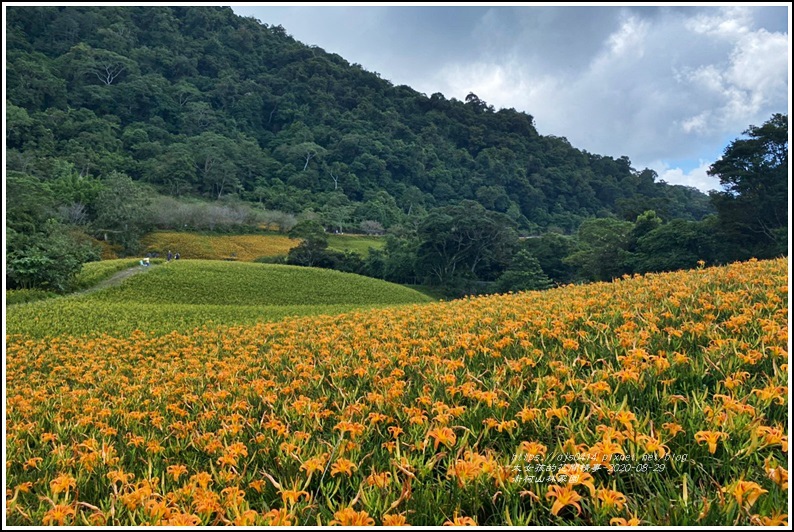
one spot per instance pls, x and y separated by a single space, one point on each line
667 86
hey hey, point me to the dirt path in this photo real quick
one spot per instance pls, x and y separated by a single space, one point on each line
116 279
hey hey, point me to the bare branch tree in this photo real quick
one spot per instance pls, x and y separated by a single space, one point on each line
309 156
108 72
74 213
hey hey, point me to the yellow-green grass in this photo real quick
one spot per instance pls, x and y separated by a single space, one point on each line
91 274
209 282
27 295
184 294
95 272
81 317
356 243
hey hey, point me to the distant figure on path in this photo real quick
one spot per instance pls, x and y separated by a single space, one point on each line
176 257
169 255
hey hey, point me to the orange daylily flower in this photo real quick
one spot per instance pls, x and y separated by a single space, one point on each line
653 445
62 484
343 466
775 520
279 517
291 497
672 428
745 492
532 449
443 435
611 499
58 515
380 480
313 464
247 518
120 476
710 437
394 520
620 521
575 475
527 414
182 519
350 517
458 520
563 496
395 431
176 471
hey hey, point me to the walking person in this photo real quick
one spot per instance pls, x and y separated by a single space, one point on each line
169 255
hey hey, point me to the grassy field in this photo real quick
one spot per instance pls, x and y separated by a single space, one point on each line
91 274
244 248
656 400
356 243
184 294
27 295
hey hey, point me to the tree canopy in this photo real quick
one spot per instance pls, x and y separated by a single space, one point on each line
753 206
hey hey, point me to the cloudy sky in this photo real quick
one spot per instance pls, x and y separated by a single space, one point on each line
667 86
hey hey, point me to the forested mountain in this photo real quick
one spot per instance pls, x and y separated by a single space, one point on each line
200 101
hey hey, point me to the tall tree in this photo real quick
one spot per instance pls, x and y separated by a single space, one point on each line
465 241
753 207
676 245
551 249
123 214
40 251
312 251
524 273
602 249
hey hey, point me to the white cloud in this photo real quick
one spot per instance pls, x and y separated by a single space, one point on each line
739 90
500 85
757 62
696 124
728 22
629 39
665 87
697 177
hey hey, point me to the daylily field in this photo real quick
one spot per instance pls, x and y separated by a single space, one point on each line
654 400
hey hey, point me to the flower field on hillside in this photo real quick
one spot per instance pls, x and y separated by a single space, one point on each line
655 400
218 247
245 248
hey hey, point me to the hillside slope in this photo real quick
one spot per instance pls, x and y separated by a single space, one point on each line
656 400
197 100
184 294
198 282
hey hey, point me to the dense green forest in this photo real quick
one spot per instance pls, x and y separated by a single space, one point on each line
122 119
